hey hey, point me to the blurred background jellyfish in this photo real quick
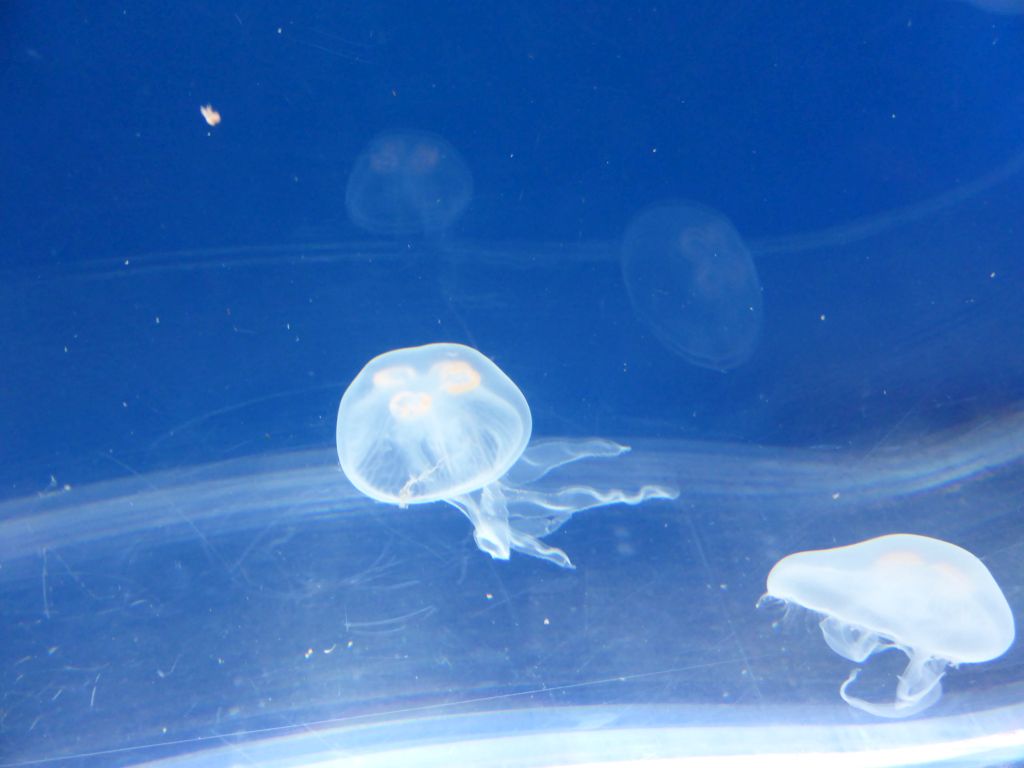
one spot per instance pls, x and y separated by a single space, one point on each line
408 183
442 422
692 281
932 600
999 6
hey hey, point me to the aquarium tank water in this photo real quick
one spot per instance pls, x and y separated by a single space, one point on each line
512 384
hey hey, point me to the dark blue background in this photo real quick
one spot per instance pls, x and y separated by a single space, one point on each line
786 117
790 116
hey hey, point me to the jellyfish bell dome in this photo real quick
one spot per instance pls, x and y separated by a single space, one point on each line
427 423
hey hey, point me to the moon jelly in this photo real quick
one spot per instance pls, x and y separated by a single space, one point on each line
407 184
442 422
692 281
928 598
999 6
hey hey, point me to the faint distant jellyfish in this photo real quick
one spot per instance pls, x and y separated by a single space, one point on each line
408 184
999 6
931 599
692 281
442 422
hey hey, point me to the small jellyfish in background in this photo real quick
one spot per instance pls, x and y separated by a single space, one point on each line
1008 7
442 422
408 183
692 281
931 599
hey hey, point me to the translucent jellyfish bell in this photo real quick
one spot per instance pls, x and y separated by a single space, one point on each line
442 422
999 6
692 281
932 600
410 183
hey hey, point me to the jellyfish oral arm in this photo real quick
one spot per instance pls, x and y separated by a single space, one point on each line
494 534
919 687
531 545
850 641
542 456
540 512
562 504
490 530
407 491
508 517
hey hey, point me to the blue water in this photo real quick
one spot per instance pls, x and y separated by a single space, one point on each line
776 248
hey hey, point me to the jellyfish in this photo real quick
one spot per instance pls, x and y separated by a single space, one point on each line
932 600
408 184
441 422
692 281
1007 7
